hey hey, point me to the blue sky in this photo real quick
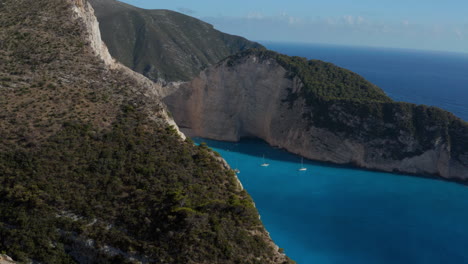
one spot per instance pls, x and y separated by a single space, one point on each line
416 24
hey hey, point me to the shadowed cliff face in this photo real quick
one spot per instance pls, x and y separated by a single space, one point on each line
255 96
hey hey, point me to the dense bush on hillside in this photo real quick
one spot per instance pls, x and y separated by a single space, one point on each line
91 172
130 188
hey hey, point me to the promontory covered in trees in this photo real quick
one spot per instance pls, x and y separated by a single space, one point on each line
312 108
94 168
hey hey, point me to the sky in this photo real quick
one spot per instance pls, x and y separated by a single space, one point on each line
440 25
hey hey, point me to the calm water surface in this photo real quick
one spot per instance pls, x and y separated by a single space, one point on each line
331 214
337 215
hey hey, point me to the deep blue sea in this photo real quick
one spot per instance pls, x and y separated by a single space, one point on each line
421 77
337 215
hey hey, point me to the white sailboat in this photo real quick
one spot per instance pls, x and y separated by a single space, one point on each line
236 170
302 168
264 164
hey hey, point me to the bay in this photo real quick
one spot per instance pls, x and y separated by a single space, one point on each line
333 214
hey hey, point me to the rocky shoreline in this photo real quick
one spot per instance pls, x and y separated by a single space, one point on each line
249 98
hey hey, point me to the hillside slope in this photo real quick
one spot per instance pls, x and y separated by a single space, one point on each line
91 168
161 44
322 112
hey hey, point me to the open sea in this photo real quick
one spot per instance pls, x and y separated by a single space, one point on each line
339 215
420 77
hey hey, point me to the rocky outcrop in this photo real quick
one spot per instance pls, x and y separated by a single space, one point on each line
251 97
85 12
4 259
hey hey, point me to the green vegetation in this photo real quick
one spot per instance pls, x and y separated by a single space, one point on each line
322 81
162 44
337 99
90 171
128 187
350 106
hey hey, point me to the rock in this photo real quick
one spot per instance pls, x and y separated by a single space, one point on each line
4 259
249 98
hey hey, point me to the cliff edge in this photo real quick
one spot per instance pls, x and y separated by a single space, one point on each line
321 112
92 168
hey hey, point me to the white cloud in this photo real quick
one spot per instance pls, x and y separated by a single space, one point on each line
360 20
330 21
349 20
294 20
348 29
255 15
438 29
186 10
458 33
283 17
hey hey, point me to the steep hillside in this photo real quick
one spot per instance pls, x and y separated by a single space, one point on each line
322 112
161 44
91 168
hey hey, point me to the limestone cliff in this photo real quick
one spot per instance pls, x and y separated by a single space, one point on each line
85 13
257 94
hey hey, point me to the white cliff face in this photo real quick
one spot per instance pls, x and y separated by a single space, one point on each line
85 12
248 99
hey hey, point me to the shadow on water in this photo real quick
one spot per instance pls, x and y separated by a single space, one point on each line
349 216
256 147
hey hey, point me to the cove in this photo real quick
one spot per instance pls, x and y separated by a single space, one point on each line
332 214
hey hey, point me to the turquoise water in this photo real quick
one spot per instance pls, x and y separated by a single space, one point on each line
333 215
